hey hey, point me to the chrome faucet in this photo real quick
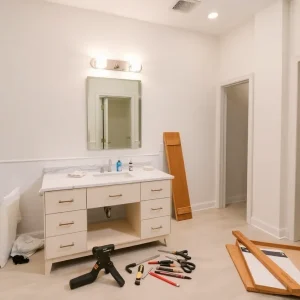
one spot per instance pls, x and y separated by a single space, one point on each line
109 166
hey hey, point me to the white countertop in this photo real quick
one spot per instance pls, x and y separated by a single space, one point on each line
61 181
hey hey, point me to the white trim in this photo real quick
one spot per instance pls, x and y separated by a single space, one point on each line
292 147
236 199
74 158
221 143
203 206
279 233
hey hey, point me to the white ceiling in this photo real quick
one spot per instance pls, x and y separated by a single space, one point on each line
232 13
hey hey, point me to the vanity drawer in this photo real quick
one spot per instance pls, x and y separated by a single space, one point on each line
68 200
67 244
64 223
155 190
113 195
155 208
155 227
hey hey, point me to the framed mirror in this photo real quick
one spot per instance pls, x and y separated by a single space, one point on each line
114 113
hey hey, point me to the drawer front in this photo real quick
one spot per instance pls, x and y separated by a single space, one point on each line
61 201
155 190
155 227
67 244
155 208
113 195
64 223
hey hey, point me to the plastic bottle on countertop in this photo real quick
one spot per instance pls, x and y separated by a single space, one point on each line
119 166
130 165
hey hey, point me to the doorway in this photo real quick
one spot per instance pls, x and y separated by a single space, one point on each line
235 133
237 97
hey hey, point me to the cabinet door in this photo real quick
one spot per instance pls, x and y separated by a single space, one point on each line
155 208
155 227
113 195
155 190
67 200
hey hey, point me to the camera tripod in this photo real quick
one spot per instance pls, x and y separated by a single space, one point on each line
102 255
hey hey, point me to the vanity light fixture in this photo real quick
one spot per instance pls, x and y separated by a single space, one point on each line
116 65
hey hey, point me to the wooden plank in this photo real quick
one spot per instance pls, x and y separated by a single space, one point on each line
242 268
176 166
274 245
184 210
289 283
262 288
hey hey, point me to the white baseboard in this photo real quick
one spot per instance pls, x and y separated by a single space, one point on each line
204 205
279 233
236 199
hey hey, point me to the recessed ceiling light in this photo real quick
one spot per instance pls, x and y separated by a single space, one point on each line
213 15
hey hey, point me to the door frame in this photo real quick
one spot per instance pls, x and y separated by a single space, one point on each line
221 143
294 95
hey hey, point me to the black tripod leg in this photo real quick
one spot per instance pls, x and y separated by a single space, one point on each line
115 274
86 278
106 271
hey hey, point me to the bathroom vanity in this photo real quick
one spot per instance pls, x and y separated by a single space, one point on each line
146 196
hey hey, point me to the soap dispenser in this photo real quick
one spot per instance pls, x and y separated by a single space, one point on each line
130 168
119 166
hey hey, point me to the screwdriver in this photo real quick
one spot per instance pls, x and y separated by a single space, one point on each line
139 275
172 275
160 262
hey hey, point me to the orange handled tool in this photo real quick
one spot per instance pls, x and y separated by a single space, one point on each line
161 262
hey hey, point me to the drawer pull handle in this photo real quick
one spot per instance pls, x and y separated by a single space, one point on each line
159 208
66 246
159 190
155 228
66 201
114 196
65 224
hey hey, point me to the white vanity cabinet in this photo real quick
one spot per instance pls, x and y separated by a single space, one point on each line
68 233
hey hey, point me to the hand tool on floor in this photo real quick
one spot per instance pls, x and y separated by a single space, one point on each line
139 275
159 262
147 273
128 267
164 279
173 270
103 262
172 275
186 266
183 253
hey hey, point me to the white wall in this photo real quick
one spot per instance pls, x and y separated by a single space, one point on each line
270 100
268 37
237 142
45 55
237 52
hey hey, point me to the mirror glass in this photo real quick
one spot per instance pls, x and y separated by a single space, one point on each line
114 113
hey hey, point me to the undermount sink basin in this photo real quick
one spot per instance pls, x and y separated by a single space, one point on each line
113 176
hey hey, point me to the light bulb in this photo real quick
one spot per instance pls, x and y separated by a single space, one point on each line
213 15
135 66
99 62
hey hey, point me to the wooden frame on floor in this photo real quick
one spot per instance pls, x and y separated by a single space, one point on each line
293 252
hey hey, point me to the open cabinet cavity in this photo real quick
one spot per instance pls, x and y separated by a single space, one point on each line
120 231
